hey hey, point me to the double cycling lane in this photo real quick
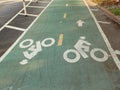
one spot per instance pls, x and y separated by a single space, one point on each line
64 49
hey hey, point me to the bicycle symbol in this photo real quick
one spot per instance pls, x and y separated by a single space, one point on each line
34 49
82 47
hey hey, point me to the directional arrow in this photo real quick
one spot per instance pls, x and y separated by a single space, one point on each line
80 23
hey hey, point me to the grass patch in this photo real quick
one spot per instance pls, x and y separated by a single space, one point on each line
115 11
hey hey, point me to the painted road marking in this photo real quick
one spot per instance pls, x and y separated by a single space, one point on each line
15 28
52 41
112 52
80 23
95 10
7 52
34 49
33 15
82 47
24 62
117 52
67 5
103 22
42 1
12 88
14 17
60 40
35 7
65 16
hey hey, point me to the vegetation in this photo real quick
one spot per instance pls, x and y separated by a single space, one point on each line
107 2
115 11
112 5
99 1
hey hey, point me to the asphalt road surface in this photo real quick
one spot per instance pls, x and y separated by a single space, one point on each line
59 45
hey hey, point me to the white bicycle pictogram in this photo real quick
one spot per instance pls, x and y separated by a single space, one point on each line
82 47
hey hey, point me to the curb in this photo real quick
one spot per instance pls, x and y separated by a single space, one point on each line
110 15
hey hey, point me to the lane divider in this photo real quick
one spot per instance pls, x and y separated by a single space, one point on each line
60 40
65 16
67 5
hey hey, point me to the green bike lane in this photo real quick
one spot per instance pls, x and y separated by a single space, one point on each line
62 50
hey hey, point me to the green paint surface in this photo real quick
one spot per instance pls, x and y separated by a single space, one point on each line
48 70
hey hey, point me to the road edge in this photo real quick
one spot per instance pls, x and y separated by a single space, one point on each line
106 12
111 50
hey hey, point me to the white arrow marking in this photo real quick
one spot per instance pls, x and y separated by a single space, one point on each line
80 23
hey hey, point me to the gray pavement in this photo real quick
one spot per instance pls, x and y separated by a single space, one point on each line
7 37
8 10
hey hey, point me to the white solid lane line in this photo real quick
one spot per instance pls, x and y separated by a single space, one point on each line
112 52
